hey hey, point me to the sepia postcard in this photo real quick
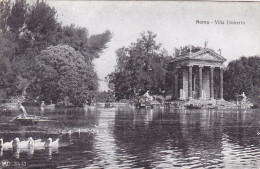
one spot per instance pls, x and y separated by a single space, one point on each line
129 84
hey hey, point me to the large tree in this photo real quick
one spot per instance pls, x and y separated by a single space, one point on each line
242 75
140 67
63 73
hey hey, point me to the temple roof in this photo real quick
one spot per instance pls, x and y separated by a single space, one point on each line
205 54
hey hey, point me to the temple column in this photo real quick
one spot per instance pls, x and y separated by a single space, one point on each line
190 82
200 82
211 83
221 83
176 90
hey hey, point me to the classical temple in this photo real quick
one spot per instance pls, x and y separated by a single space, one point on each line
196 73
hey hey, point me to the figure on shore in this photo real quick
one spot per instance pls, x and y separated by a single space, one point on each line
22 110
42 105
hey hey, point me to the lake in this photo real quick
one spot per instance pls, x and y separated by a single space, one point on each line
137 138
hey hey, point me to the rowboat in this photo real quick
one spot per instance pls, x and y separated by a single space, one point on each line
29 120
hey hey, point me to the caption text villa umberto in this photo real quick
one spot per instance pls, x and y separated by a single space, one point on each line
221 22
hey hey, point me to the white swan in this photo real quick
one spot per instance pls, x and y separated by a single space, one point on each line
50 143
36 144
20 144
38 140
6 145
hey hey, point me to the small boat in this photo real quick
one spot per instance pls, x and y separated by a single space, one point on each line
26 121
29 120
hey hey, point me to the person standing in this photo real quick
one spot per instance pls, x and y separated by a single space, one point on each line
22 110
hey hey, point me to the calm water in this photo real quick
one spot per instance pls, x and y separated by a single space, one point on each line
128 138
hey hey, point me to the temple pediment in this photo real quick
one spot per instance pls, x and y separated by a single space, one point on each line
207 56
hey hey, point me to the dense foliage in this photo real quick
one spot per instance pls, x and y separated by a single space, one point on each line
243 75
105 96
140 67
63 73
31 31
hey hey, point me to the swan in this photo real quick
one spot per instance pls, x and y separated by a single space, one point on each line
20 144
1 151
34 141
50 143
36 144
6 145
38 140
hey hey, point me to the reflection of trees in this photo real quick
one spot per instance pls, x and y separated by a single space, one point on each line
140 139
240 141
242 126
203 132
181 134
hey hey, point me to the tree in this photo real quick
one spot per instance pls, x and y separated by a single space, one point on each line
105 96
28 29
41 22
64 74
243 76
5 10
140 67
8 82
89 46
16 19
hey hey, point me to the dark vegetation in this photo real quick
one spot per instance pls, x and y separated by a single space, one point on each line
40 58
243 75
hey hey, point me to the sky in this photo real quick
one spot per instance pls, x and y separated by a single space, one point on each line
174 22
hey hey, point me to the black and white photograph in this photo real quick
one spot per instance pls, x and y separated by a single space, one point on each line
129 84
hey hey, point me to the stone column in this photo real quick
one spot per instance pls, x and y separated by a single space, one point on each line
221 83
190 82
211 83
200 82
176 89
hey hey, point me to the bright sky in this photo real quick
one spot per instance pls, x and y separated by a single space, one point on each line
174 22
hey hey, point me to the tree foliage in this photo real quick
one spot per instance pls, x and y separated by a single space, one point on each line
27 30
242 75
140 67
89 46
64 74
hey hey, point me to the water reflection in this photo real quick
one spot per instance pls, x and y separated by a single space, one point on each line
143 138
181 138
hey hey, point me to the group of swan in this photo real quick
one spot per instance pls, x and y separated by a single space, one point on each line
37 144
93 129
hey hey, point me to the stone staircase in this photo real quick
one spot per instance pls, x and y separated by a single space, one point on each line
218 104
208 104
222 104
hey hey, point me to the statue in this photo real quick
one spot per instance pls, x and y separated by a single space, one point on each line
205 44
244 97
219 51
